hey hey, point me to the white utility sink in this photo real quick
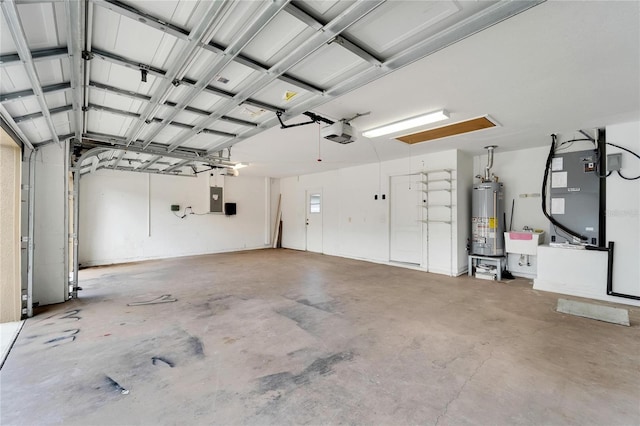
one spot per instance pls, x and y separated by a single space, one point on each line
523 242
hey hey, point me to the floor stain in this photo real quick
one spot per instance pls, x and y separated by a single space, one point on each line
157 360
72 315
306 317
319 367
70 337
116 386
324 306
196 346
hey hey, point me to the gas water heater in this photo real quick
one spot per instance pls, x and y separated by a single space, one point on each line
487 213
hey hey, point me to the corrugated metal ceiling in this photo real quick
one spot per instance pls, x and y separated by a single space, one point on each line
160 86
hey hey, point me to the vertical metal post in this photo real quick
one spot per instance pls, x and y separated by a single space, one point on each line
76 228
30 231
66 221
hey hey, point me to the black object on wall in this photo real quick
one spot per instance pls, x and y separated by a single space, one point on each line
229 209
602 169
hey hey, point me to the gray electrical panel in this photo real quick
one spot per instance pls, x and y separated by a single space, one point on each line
215 200
575 196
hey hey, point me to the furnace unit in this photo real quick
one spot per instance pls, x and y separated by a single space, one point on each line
575 196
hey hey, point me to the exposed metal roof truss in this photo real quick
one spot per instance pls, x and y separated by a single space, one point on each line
167 86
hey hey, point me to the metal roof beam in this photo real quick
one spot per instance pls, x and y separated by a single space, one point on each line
314 23
303 16
262 105
183 34
86 77
128 160
52 111
201 33
154 171
139 96
11 127
142 17
257 66
8 97
118 91
116 111
36 55
232 119
19 39
177 165
206 131
357 50
120 60
320 38
118 159
157 72
149 163
241 40
50 141
103 164
75 13
107 141
493 14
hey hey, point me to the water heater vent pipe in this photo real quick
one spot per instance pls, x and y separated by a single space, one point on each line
487 169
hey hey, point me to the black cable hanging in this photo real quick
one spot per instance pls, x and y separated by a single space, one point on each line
544 194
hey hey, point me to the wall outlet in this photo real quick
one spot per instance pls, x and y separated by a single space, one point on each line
175 207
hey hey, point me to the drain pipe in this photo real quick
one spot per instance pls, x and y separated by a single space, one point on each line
610 291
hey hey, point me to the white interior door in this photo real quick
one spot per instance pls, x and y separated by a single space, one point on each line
314 209
405 244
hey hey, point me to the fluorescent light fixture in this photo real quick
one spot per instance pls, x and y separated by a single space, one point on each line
408 123
239 166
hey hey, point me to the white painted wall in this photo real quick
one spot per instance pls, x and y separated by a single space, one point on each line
464 172
623 209
50 277
355 224
126 216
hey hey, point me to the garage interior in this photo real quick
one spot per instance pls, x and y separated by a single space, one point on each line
204 220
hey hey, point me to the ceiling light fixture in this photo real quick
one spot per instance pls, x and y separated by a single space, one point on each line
408 123
239 166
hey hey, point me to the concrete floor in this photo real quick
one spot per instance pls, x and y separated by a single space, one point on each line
287 337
